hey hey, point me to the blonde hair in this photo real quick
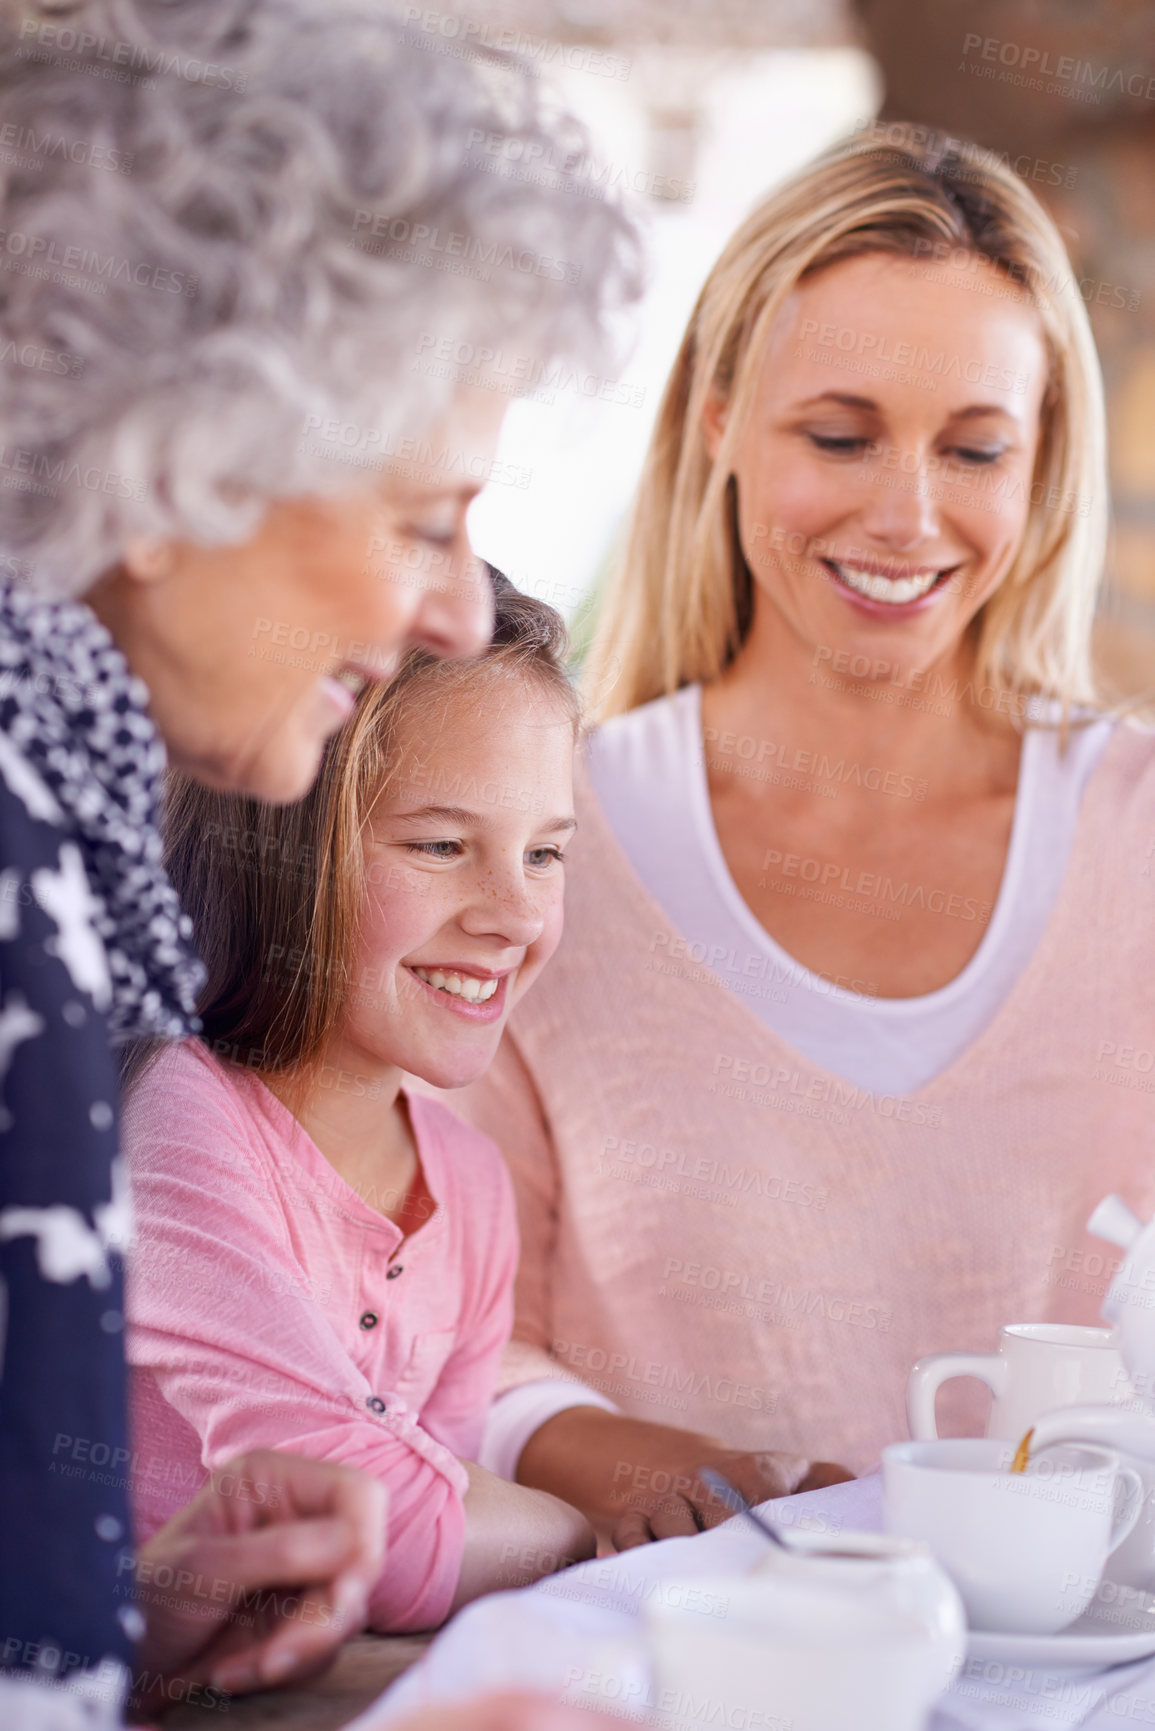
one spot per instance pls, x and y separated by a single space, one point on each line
679 603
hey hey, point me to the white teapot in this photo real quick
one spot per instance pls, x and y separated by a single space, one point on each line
1130 1307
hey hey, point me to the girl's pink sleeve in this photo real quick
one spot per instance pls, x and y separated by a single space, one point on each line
505 1104
220 1315
456 1411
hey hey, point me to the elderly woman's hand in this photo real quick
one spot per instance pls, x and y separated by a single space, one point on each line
640 1481
209 1583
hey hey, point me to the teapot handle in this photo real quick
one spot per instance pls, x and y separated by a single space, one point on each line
1112 1427
1130 1505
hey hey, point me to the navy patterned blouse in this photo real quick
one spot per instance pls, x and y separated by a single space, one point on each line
93 949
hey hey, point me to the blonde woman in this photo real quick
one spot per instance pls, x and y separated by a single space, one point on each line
847 1031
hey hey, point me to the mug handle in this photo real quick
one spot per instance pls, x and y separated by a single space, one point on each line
930 1373
1130 1509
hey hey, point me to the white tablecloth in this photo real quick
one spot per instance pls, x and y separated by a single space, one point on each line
575 1637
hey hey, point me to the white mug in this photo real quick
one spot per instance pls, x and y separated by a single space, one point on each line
1025 1550
1039 1366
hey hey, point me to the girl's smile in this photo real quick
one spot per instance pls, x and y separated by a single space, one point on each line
465 991
463 895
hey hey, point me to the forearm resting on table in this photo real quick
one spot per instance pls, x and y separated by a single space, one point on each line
514 1535
607 1464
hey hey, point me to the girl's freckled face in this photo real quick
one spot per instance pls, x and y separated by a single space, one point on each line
464 878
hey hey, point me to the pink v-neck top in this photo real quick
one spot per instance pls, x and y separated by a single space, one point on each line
718 1233
271 1307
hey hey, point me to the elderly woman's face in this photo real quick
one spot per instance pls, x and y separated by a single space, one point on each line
885 474
253 654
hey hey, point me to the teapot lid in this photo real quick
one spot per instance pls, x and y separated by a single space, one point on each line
1131 1299
1115 1222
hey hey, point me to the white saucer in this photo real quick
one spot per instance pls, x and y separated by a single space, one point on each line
1118 1626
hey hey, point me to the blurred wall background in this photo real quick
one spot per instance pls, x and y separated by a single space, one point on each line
700 106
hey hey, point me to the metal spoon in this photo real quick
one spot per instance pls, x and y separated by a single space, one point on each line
737 1504
733 1499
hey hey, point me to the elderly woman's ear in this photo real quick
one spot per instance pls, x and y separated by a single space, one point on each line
148 560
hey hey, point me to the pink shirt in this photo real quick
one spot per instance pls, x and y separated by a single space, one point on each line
720 1234
270 1307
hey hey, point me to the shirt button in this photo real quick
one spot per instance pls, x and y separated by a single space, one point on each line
392 1273
368 1319
375 1403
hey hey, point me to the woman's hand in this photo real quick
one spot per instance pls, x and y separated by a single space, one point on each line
639 1481
259 1578
514 1536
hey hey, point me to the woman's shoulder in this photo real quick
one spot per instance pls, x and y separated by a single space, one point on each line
644 742
1124 772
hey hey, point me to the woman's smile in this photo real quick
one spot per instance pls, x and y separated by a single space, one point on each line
888 591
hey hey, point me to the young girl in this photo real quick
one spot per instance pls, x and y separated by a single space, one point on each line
326 1259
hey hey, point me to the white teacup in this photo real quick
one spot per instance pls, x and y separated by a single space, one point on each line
1025 1550
1038 1366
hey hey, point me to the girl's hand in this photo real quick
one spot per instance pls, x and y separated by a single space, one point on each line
688 1506
639 1481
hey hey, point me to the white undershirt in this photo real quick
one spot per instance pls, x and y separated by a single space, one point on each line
649 774
648 771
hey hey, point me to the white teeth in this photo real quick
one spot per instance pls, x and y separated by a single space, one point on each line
895 590
466 986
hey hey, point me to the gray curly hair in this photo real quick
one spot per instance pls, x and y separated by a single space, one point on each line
212 223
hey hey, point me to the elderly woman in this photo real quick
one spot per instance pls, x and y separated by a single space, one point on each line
831 1065
225 228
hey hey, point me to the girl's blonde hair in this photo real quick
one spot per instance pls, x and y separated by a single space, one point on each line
275 891
680 602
